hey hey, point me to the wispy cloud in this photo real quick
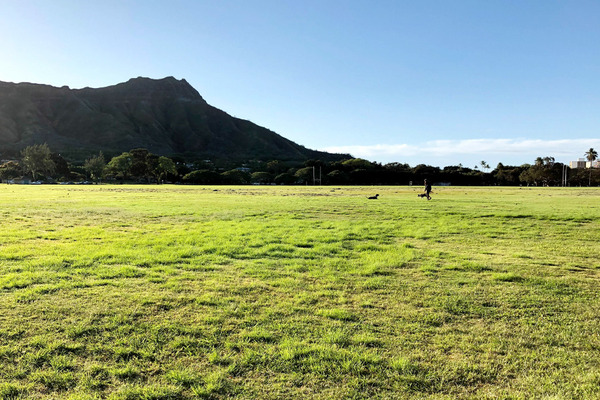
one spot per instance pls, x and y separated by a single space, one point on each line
481 148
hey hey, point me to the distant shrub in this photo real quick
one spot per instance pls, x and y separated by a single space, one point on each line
202 177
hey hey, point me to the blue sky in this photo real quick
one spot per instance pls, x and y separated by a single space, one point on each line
434 82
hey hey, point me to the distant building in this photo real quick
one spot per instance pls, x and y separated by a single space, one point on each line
583 163
592 164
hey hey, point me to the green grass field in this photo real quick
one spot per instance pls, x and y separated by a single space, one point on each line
177 292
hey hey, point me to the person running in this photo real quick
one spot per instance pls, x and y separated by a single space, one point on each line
427 190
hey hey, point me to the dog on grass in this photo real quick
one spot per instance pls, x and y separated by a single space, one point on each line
373 197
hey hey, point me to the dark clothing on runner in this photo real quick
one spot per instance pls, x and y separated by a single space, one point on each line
427 189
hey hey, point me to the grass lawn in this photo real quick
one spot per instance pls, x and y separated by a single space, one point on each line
181 292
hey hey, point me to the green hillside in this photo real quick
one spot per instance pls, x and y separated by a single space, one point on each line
166 116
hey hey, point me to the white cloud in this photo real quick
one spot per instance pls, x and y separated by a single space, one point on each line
526 149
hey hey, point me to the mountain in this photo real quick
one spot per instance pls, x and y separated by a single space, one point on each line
166 116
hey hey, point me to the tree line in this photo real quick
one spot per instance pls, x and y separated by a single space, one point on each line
38 162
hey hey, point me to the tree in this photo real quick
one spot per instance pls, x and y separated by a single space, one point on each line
141 160
358 163
508 175
285 179
94 167
236 177
397 173
545 171
305 175
338 177
484 165
10 170
182 169
275 167
61 167
120 166
530 175
163 167
314 163
261 177
203 177
591 155
37 160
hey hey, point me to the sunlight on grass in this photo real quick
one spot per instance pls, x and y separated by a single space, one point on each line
177 292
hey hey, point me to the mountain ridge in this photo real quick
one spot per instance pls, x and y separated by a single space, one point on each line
166 116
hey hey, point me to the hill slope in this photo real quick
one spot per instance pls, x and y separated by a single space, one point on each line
166 116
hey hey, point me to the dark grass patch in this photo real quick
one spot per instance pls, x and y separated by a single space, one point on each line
339 314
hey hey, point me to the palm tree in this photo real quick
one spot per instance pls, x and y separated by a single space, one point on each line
591 155
539 161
